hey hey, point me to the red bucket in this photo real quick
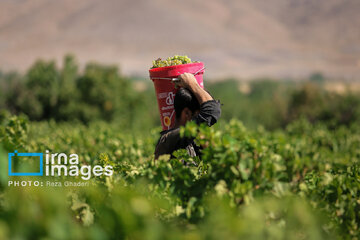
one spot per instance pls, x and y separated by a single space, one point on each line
165 88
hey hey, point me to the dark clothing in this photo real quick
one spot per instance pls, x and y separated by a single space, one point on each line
170 140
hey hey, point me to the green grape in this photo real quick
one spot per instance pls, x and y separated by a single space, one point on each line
171 61
176 62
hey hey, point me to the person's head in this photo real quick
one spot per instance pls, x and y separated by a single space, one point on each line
186 106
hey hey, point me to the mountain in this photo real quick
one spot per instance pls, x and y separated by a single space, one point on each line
244 38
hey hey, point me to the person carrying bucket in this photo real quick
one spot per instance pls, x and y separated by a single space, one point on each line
191 102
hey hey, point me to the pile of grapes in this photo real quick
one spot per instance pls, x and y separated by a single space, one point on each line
171 61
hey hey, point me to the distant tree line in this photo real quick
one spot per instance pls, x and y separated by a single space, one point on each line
100 92
275 104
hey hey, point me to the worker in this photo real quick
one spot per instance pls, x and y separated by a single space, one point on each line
191 103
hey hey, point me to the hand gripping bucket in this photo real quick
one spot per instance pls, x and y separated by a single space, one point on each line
164 79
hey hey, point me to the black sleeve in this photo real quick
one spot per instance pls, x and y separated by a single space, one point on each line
210 112
169 142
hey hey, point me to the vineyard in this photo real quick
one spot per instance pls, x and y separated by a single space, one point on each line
283 162
302 182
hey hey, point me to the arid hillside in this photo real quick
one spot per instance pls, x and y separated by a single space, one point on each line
245 38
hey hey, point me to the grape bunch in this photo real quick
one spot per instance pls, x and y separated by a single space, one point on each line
171 61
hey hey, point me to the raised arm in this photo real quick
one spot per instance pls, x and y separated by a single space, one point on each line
210 110
187 80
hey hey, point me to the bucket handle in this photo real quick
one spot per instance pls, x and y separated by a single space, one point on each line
177 79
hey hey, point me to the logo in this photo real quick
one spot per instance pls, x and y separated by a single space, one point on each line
15 153
170 98
167 121
59 164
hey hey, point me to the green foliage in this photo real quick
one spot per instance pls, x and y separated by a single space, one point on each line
275 104
100 92
262 101
317 105
41 85
317 77
297 183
